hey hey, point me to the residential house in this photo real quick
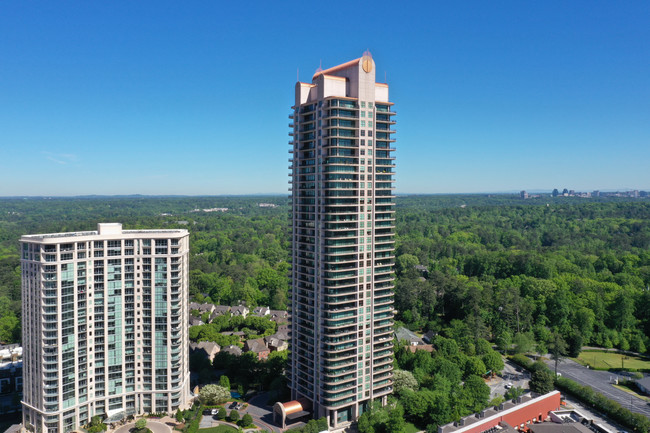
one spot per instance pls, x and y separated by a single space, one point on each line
208 348
239 310
257 346
405 334
261 311
276 344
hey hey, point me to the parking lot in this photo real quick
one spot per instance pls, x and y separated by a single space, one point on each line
512 376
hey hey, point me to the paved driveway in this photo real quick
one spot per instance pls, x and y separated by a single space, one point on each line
509 375
600 381
154 426
262 413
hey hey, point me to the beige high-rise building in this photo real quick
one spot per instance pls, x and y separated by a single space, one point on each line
343 226
104 325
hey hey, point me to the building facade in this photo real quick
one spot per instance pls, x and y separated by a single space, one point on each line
343 224
104 325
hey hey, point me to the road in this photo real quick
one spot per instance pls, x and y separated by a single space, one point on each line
154 426
600 381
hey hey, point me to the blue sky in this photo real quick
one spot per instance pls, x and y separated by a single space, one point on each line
193 97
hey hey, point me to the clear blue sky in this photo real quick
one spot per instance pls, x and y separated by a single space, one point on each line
193 97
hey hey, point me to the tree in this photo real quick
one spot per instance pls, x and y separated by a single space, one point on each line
514 392
523 342
224 381
222 413
557 347
246 420
141 424
213 394
403 379
364 425
541 381
493 362
179 416
475 394
396 422
234 416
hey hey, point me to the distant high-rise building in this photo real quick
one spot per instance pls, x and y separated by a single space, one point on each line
343 239
523 194
104 325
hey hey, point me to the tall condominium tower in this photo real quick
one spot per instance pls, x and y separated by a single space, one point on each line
104 325
343 228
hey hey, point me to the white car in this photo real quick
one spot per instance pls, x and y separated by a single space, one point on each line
508 385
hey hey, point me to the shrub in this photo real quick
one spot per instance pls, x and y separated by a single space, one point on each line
246 421
222 413
234 416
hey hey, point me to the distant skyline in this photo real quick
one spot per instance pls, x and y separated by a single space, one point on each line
164 98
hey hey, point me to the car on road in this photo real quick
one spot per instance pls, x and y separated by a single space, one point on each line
508 385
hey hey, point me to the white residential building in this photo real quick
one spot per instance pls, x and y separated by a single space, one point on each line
104 325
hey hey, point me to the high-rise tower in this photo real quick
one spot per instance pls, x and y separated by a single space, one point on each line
104 325
342 231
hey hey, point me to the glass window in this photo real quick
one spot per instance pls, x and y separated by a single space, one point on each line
369 104
369 124
362 123
363 104
362 114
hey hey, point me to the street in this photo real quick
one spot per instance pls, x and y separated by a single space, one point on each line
600 381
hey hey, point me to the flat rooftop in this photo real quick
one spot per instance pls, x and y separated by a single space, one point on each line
103 229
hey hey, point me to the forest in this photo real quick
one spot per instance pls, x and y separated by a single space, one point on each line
523 275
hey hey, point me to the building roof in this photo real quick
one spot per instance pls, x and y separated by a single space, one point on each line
257 345
337 68
404 334
553 427
103 229
426 347
233 350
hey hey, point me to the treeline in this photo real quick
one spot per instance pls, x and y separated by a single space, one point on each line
237 254
522 274
509 270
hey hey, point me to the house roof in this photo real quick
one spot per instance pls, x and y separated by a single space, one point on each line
257 345
233 350
408 335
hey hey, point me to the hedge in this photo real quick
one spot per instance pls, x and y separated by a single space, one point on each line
611 408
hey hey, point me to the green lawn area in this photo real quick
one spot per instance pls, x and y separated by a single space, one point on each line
606 360
218 429
410 428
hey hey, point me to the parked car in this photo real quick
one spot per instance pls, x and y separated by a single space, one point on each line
214 411
233 405
239 406
508 385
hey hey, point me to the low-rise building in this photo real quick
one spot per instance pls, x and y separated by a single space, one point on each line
276 344
232 349
208 348
508 417
257 346
239 310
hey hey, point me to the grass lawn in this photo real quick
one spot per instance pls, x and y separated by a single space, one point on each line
410 428
218 429
607 360
631 391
